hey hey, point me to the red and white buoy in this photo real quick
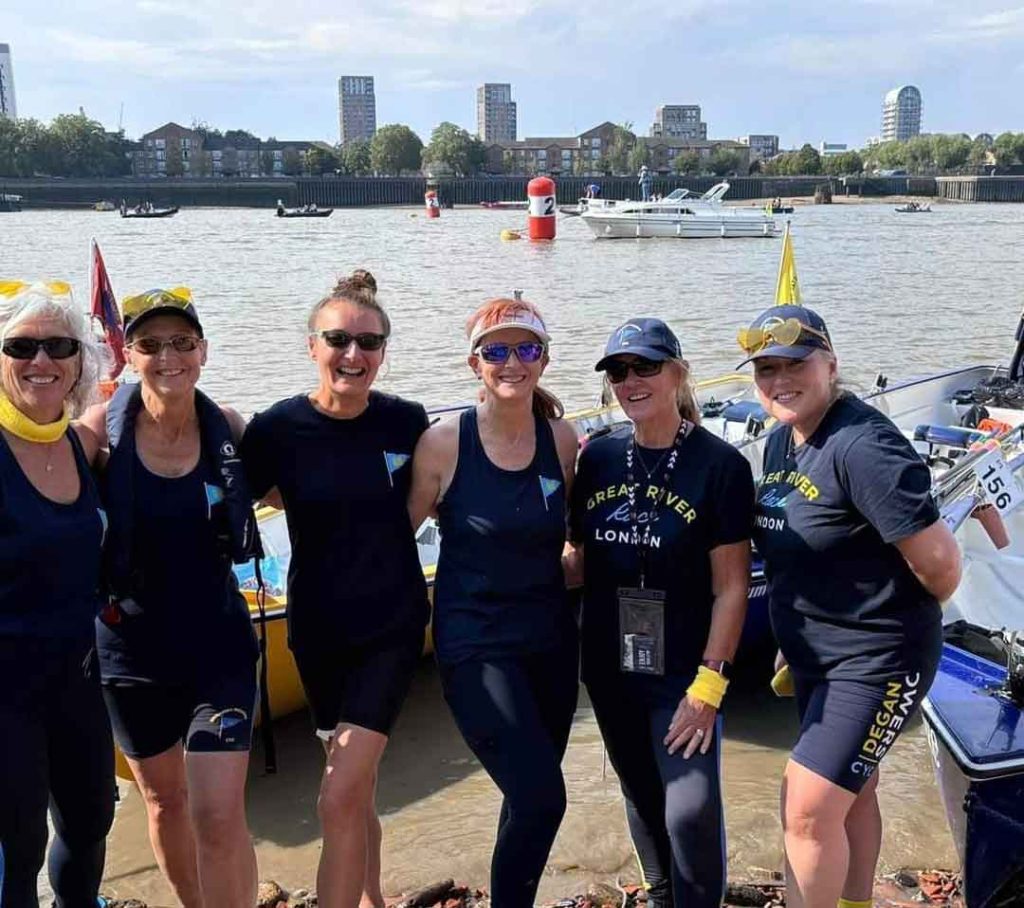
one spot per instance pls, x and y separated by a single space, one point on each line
433 204
541 194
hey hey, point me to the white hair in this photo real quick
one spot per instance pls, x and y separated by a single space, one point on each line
43 301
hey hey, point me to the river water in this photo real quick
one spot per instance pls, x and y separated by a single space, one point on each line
901 295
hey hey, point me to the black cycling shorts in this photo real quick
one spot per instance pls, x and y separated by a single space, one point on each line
364 685
212 714
847 727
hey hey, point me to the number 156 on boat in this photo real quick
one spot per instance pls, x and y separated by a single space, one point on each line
998 483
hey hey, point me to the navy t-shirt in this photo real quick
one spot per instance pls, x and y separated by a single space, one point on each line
844 602
355 574
709 503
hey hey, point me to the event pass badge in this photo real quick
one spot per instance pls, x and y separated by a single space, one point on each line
642 631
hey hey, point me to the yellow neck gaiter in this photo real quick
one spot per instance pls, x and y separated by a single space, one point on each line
17 423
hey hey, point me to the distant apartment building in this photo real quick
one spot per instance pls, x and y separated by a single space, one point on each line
495 113
828 149
8 108
357 108
678 121
901 114
762 147
167 151
174 151
585 154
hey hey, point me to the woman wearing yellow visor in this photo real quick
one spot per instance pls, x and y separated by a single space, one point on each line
176 648
857 562
57 745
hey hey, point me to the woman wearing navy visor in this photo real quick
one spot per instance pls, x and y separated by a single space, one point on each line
57 747
497 479
338 459
660 525
857 561
177 650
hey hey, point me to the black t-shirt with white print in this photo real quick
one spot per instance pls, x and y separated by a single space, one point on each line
709 503
844 602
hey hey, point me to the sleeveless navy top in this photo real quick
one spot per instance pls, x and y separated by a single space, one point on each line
49 554
499 589
187 615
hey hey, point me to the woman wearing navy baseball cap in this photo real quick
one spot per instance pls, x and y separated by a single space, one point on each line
662 510
857 561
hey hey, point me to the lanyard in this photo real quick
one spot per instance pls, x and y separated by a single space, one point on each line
643 543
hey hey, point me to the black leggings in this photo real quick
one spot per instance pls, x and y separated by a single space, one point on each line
57 750
515 714
673 805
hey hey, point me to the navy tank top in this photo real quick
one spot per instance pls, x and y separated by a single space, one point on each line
499 589
187 614
49 554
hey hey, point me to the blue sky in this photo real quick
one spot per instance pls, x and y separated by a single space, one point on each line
812 71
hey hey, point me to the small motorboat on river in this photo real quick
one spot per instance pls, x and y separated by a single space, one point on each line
303 211
148 211
680 214
10 202
914 208
506 205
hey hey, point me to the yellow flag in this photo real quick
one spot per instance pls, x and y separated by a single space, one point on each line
787 288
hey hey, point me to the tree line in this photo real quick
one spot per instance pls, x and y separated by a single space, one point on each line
73 145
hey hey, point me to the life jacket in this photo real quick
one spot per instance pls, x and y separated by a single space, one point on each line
242 540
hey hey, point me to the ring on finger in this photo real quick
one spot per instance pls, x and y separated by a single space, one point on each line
699 732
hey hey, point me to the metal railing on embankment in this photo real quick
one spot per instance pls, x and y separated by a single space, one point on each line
981 189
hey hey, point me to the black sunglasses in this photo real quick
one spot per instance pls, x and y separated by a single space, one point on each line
340 340
618 369
153 346
29 347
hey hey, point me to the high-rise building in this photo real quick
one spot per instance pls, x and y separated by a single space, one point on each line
679 121
357 108
7 106
901 114
495 113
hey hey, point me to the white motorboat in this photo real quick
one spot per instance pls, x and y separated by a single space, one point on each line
680 214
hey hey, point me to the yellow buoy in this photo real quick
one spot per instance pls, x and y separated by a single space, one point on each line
510 235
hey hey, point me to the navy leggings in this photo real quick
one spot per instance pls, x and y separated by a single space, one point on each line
673 805
57 751
515 714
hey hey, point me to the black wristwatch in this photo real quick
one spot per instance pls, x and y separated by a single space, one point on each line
723 667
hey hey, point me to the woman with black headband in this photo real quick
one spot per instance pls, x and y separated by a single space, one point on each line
57 747
176 647
339 460
857 560
660 524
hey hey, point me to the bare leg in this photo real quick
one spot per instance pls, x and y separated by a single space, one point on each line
226 859
864 834
164 788
813 817
346 796
372 897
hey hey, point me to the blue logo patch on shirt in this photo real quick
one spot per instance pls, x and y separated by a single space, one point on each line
214 495
548 487
394 463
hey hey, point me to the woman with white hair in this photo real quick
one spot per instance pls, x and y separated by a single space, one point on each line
57 747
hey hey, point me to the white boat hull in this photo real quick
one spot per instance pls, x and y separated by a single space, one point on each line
722 224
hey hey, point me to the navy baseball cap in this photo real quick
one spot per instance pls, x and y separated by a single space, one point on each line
790 331
649 338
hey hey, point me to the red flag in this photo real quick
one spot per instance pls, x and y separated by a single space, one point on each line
104 308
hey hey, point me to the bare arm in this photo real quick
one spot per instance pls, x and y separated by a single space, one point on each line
92 431
730 579
934 557
692 726
433 465
572 564
235 422
567 443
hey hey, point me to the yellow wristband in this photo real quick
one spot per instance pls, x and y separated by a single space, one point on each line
852 903
708 686
782 683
